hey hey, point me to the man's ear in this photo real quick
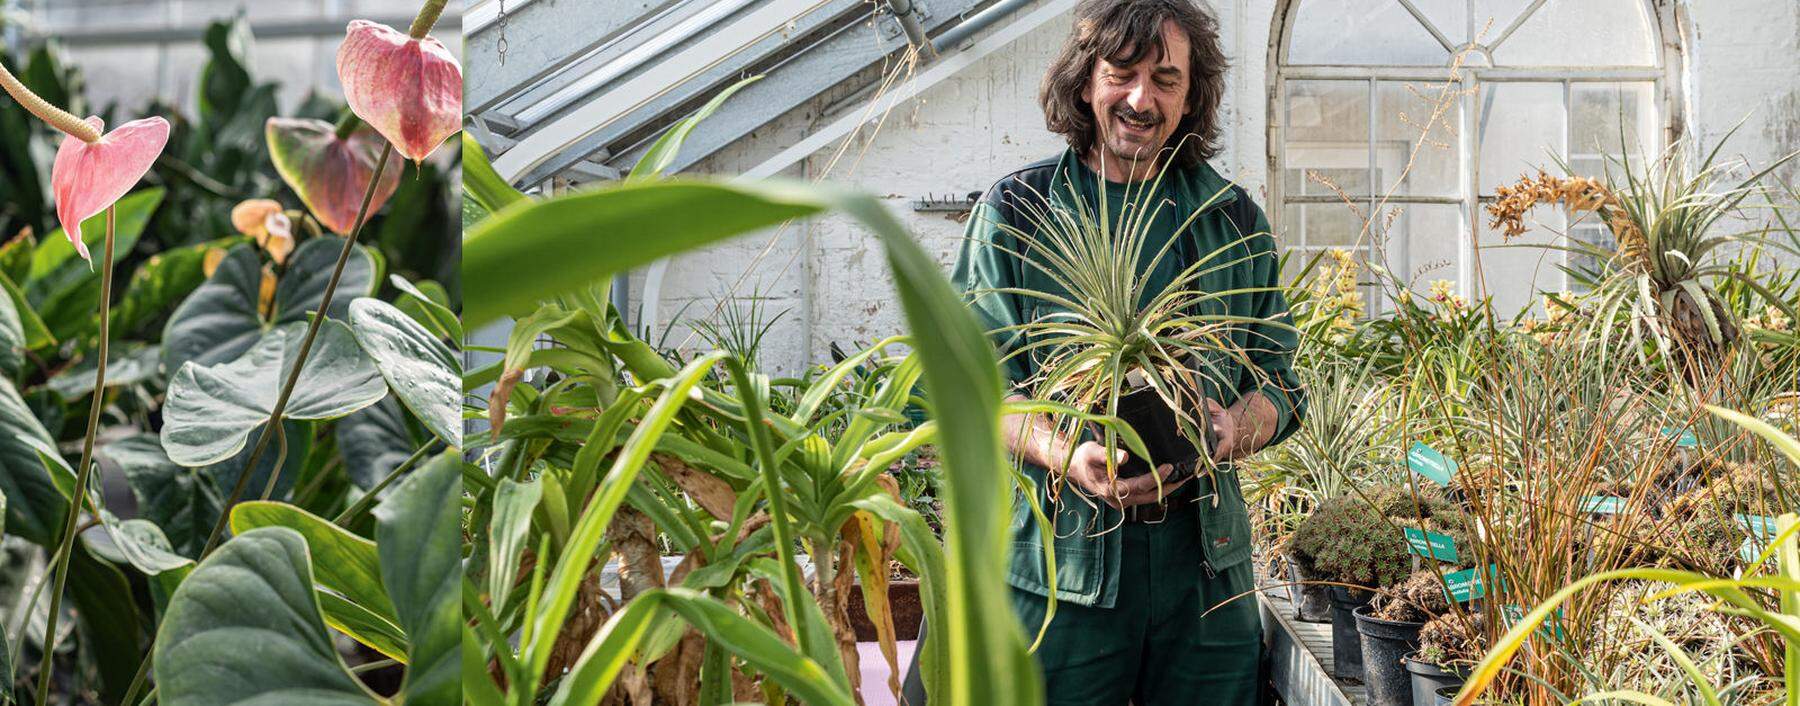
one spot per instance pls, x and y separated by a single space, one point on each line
1087 89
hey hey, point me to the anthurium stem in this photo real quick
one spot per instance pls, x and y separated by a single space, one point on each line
83 472
287 388
56 117
353 512
428 16
347 125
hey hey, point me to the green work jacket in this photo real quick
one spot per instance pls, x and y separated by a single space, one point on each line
1087 556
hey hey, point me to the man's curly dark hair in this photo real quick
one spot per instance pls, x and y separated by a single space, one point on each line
1123 32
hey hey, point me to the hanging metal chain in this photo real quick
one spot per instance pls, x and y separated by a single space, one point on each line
501 45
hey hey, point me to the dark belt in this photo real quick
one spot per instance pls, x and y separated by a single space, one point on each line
1181 499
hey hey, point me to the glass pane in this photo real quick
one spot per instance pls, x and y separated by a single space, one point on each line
1422 243
1603 114
1328 134
1317 225
1361 32
1516 269
1586 33
1412 128
1521 128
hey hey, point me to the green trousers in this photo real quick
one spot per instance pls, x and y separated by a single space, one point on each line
1166 641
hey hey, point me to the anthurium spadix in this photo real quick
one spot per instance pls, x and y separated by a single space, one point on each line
330 166
409 88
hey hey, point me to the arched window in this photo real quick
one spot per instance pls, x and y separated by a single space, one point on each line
1356 84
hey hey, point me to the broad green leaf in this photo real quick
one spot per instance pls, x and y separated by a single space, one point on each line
130 364
537 249
363 625
109 620
139 543
211 410
756 645
63 288
224 474
161 282
245 628
374 441
219 321
507 534
423 372
179 500
427 303
37 335
12 339
38 501
341 561
418 531
481 183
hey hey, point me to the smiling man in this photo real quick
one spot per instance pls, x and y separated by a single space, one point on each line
1142 573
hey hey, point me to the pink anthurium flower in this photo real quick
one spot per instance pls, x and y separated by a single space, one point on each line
408 88
329 172
87 176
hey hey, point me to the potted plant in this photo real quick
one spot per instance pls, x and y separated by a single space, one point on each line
1107 341
1389 628
1448 644
1350 543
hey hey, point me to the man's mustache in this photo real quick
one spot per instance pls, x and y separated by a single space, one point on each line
1135 116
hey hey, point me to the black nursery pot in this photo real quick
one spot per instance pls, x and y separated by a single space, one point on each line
1384 644
1427 678
1446 695
1313 602
1346 643
1146 413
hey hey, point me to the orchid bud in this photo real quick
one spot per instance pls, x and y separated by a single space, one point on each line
329 171
409 89
87 177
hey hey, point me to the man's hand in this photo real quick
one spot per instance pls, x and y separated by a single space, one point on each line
1225 430
1087 469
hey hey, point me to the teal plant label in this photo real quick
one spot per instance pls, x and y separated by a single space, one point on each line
1468 584
1427 462
1762 531
1684 438
1603 505
1430 545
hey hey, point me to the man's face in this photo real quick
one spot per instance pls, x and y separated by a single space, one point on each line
1137 107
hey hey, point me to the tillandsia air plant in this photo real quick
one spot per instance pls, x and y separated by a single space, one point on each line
1109 333
93 170
1670 227
349 558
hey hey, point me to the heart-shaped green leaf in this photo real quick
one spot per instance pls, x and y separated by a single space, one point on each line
130 363
219 321
429 304
160 283
245 628
211 410
180 500
423 372
418 533
328 172
342 562
65 289
139 543
374 441
38 503
37 335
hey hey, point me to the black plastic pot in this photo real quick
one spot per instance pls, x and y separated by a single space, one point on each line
1384 644
1146 413
1346 643
1446 696
1313 602
1427 678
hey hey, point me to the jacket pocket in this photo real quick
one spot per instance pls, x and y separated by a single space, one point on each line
1226 540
